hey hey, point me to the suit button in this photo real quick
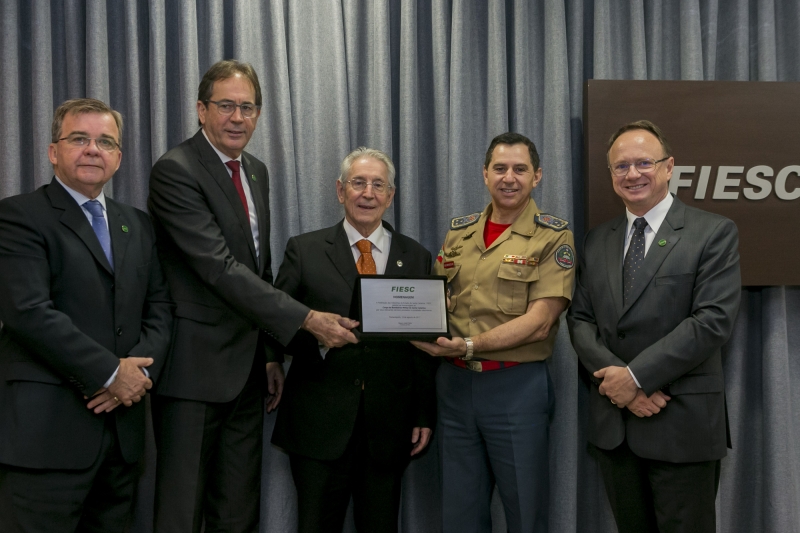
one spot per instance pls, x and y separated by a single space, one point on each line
357 382
621 335
119 332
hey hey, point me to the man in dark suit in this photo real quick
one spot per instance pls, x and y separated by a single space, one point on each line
657 295
210 205
351 417
86 319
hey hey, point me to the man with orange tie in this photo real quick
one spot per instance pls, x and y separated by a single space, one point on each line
351 417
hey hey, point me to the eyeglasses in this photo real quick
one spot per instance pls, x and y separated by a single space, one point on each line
82 141
359 184
226 107
643 166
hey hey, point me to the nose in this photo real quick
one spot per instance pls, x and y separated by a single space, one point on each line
368 192
633 169
237 114
92 147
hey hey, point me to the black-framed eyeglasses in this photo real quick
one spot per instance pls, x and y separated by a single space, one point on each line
360 184
643 166
82 141
226 107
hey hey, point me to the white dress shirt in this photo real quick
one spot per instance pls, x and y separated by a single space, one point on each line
381 240
655 217
251 207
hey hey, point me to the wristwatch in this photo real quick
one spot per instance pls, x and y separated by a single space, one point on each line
470 349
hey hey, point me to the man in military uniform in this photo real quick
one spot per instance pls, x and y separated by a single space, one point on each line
510 276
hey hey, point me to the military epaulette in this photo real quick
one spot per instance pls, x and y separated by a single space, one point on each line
549 221
466 220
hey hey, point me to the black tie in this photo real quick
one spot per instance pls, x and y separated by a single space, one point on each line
633 259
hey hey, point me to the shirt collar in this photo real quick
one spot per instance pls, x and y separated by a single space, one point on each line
377 237
80 198
222 156
655 217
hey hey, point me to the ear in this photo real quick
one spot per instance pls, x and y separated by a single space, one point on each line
340 191
52 153
537 177
485 176
670 166
201 112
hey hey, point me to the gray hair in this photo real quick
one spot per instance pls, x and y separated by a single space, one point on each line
373 153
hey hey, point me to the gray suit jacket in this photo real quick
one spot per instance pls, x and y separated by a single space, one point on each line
670 333
227 308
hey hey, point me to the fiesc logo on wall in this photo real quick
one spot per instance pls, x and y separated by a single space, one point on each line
757 183
737 153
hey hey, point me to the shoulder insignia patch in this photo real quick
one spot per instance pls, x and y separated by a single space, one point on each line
549 221
565 257
463 222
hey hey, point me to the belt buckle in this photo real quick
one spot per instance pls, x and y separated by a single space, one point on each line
475 366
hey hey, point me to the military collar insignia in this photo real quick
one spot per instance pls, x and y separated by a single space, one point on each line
466 220
549 221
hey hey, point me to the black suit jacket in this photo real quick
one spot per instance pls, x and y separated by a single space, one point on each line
67 319
227 309
321 396
680 313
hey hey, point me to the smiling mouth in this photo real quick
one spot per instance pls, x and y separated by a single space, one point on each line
636 187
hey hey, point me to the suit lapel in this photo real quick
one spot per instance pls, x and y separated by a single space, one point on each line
73 217
396 262
656 253
262 210
119 237
338 251
216 168
615 242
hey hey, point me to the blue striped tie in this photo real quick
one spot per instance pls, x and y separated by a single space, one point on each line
100 228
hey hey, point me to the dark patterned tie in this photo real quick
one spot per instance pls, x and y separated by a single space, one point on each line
100 228
633 259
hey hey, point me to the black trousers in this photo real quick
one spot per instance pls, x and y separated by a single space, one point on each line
209 461
94 500
649 496
324 488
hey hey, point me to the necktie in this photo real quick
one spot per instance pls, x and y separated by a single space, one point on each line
365 263
100 228
237 182
633 259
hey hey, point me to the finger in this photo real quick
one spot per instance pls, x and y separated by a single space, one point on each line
602 389
99 399
415 435
272 403
107 406
141 361
148 384
347 323
270 384
600 373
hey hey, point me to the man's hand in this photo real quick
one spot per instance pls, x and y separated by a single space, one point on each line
102 401
131 384
617 384
330 329
420 438
275 380
643 406
443 347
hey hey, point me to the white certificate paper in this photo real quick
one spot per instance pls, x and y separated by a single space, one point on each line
403 306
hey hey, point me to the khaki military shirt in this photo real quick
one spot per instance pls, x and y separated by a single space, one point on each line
491 286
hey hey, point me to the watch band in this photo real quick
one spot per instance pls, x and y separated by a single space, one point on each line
470 349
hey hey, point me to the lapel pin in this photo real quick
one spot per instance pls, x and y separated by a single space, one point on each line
124 229
399 263
662 242
253 177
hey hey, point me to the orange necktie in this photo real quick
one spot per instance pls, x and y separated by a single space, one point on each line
365 263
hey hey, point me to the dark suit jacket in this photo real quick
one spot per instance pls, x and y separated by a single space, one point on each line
67 319
321 397
670 333
227 308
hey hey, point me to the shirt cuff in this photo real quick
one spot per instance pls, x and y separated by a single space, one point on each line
114 376
634 377
323 351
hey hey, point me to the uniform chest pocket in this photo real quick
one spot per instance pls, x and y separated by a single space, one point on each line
512 287
452 285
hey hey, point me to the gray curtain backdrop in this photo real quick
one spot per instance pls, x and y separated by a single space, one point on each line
430 82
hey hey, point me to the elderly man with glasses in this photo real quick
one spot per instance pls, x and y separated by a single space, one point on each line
86 321
352 417
657 294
